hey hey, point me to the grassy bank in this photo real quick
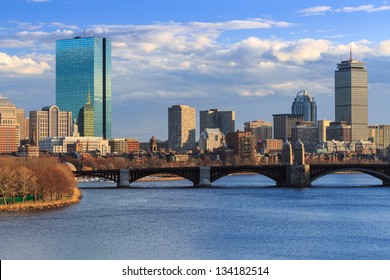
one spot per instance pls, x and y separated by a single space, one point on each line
66 201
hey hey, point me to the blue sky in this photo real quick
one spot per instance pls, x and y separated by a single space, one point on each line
249 56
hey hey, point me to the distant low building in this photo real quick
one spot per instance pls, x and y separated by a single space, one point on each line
59 145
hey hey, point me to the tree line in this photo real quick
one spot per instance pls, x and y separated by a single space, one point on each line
43 178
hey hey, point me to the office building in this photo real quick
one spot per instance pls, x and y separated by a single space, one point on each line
83 66
214 118
260 129
181 127
283 124
23 124
305 105
9 127
49 122
308 133
210 139
339 131
351 97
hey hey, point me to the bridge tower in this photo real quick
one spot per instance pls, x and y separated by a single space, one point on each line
298 173
287 156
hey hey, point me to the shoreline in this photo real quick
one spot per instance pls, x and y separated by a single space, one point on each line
28 206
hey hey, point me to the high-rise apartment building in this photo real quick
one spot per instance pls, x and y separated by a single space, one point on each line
9 127
305 105
283 124
49 122
214 118
83 66
181 127
243 144
351 97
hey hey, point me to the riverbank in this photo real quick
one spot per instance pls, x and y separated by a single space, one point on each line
75 199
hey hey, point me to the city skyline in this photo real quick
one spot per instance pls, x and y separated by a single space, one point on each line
248 57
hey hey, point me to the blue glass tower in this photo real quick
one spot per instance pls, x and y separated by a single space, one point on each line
83 65
305 105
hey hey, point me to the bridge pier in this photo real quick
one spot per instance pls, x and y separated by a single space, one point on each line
386 183
123 180
204 177
298 176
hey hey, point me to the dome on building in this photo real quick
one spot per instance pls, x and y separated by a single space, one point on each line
4 101
303 93
70 166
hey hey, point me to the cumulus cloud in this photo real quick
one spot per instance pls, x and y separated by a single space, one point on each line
26 66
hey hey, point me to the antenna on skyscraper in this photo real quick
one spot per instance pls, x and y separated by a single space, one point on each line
350 51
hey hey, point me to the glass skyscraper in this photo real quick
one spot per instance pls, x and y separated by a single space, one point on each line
83 65
305 105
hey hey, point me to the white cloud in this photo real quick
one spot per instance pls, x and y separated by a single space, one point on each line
321 10
26 66
317 10
37 1
363 8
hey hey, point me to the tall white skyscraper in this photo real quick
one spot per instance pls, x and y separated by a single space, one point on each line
351 97
181 127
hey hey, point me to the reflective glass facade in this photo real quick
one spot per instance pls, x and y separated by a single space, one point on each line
83 64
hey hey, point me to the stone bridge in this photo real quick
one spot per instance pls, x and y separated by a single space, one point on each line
285 175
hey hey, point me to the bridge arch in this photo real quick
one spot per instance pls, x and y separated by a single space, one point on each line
276 173
112 175
189 173
384 178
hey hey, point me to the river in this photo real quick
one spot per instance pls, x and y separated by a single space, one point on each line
343 216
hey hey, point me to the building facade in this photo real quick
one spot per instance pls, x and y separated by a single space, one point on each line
214 118
61 145
305 105
23 124
283 124
322 125
210 139
260 129
339 131
243 143
351 97
9 127
181 127
83 66
307 133
49 122
86 119
380 135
